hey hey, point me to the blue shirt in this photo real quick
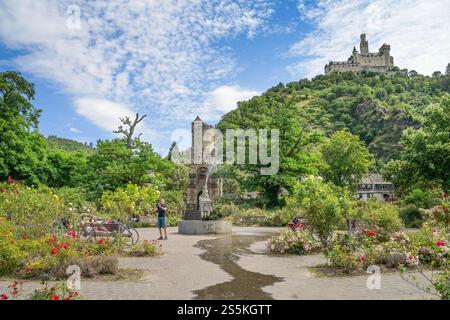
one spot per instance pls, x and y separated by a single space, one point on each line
162 208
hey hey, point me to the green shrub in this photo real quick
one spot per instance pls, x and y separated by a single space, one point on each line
380 215
420 198
73 197
412 217
441 283
223 210
343 257
174 200
33 211
324 206
131 200
173 220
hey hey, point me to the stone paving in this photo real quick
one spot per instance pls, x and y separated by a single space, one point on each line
300 283
180 271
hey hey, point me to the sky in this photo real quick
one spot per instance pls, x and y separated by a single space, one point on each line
93 62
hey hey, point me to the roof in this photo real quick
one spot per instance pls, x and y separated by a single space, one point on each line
374 178
198 119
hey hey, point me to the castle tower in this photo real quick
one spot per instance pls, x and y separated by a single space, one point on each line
199 172
385 50
364 44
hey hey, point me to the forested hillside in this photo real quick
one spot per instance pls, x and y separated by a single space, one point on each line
377 107
402 118
68 145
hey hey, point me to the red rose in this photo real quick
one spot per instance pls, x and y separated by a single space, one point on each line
2 191
54 297
4 296
440 243
54 251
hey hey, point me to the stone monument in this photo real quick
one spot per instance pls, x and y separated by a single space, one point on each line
203 187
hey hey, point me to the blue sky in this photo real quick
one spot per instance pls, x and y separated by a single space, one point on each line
173 60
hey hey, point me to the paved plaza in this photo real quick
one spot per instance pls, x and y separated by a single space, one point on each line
181 271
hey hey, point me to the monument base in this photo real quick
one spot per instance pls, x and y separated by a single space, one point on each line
204 227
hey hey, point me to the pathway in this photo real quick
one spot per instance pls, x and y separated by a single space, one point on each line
181 271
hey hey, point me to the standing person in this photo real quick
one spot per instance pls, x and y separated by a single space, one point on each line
162 218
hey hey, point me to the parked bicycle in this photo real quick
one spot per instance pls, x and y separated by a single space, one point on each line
98 229
95 229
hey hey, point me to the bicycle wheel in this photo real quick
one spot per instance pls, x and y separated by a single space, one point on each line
126 236
87 233
134 235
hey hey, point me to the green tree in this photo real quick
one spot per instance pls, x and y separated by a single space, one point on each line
297 155
425 155
324 205
346 159
22 147
62 168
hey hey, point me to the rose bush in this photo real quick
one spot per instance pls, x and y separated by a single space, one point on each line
379 215
292 242
428 247
30 258
56 292
33 211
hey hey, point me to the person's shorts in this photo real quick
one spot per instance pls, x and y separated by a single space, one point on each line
162 222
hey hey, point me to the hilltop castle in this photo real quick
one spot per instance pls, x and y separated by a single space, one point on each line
364 60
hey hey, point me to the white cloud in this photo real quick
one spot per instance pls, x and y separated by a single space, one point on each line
223 99
417 30
103 113
155 57
74 130
106 115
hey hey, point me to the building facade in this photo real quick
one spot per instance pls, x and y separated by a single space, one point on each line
364 60
199 172
374 187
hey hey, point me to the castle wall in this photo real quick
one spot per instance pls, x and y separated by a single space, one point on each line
381 61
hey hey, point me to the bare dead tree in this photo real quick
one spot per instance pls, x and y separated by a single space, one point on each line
129 132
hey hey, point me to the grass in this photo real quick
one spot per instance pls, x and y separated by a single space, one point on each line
326 271
123 274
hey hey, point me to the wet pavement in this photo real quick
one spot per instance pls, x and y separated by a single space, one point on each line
225 252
